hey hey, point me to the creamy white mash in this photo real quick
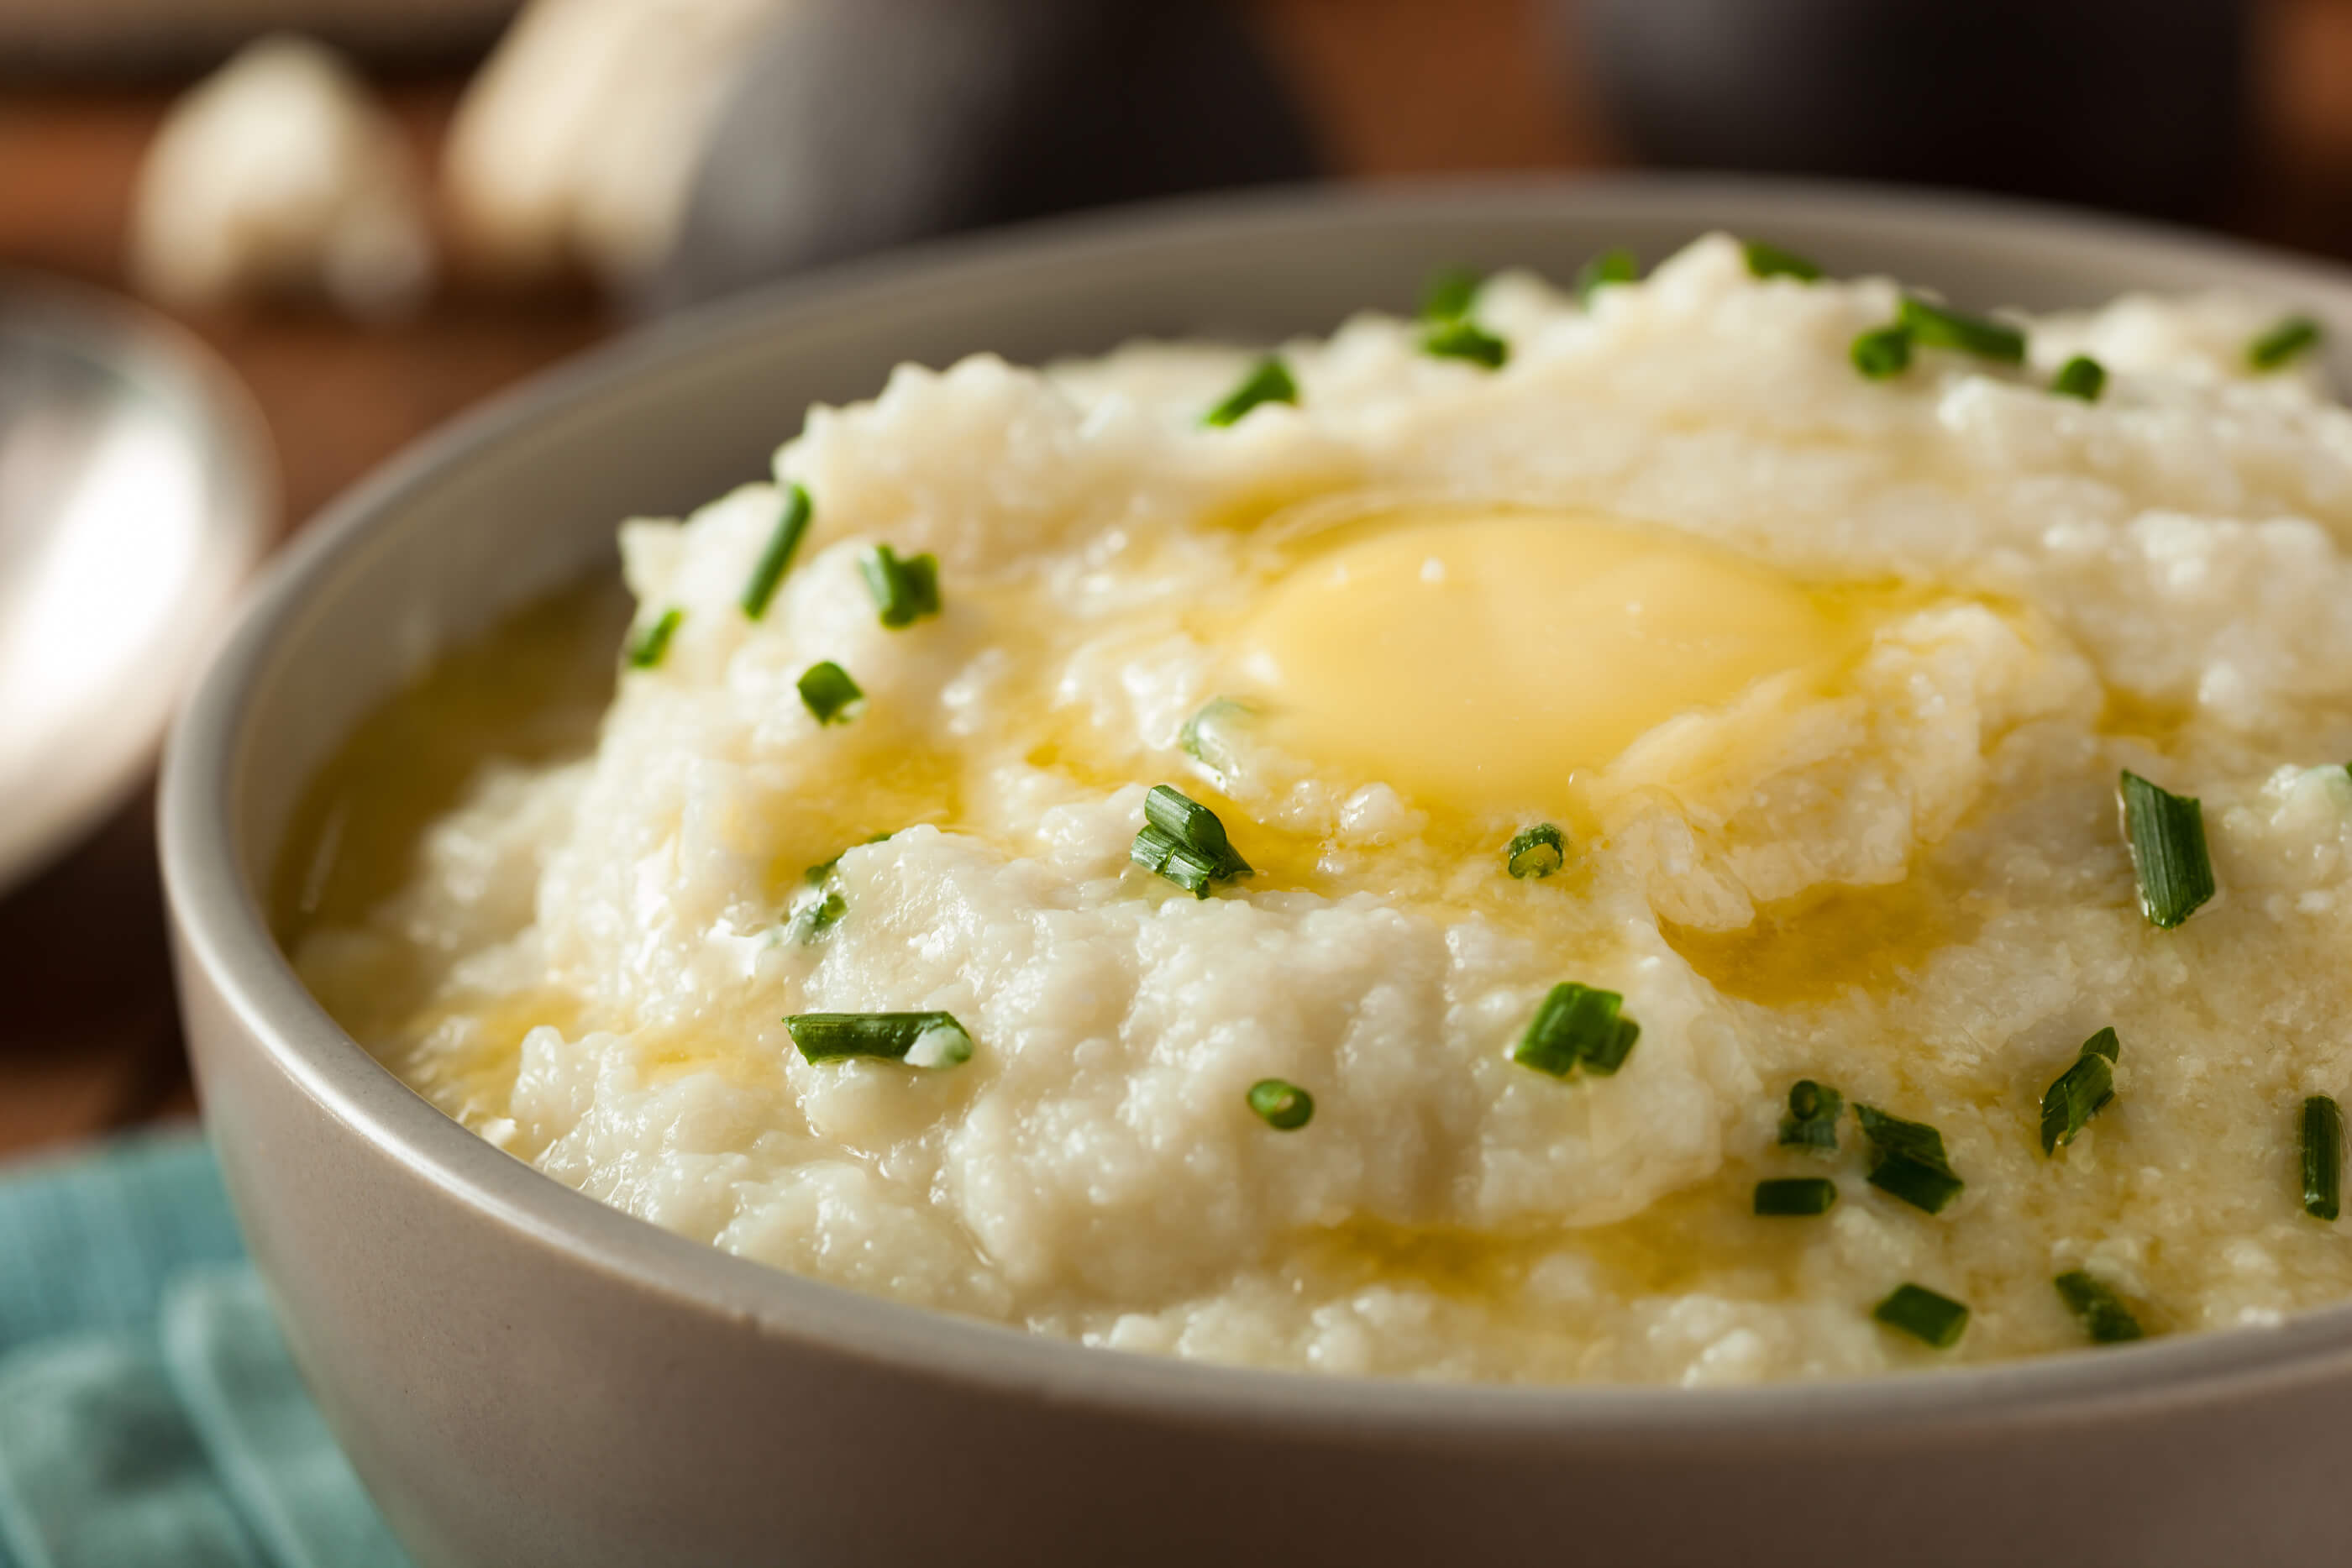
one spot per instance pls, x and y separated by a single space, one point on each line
1826 680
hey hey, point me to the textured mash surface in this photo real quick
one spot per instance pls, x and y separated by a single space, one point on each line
1909 882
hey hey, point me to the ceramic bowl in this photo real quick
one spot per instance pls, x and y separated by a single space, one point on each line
524 1376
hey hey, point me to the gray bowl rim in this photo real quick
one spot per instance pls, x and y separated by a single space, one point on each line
218 916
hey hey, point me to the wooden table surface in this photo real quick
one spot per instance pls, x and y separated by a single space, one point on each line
1396 86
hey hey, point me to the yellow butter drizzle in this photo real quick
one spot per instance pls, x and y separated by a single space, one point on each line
1483 659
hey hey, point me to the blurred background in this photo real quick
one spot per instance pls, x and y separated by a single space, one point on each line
378 211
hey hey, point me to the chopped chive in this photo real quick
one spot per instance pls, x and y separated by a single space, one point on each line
1284 1107
1605 1057
919 1039
1465 340
816 874
2322 1158
1182 841
1203 737
1536 851
1919 1184
2166 834
1162 855
1926 1316
1769 260
2295 335
1896 1136
2099 1310
1795 1195
1196 827
2081 1091
829 693
2083 377
1812 1118
1189 822
646 648
1937 328
1911 1165
1450 294
1610 267
1883 351
1577 1027
777 558
904 590
1269 381
822 916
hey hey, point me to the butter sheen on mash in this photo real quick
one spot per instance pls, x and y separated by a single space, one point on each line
1826 680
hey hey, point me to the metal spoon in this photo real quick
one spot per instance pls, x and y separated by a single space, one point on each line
137 491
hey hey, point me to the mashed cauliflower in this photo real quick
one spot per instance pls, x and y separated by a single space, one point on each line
1853 818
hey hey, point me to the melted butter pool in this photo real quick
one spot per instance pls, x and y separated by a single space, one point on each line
1699 1236
1480 659
531 688
1814 949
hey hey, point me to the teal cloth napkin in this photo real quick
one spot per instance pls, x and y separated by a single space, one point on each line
150 1416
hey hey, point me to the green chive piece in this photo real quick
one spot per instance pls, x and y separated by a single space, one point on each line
1204 736
2099 1310
647 647
829 693
1196 827
1188 821
1610 267
1795 1197
904 590
1450 294
1883 352
1926 1316
2166 833
1921 1185
2322 1158
1536 851
1607 1056
919 1039
1812 1119
822 916
1182 841
1269 381
2081 1091
1911 1165
816 875
1577 1027
1465 340
1284 1107
1894 1134
1769 260
1934 327
1162 855
2295 335
2083 377
1445 305
777 558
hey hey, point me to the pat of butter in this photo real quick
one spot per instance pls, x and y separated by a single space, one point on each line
1479 659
